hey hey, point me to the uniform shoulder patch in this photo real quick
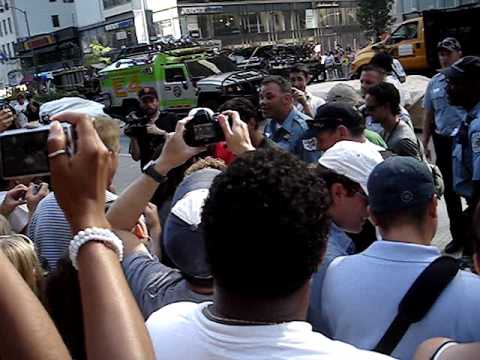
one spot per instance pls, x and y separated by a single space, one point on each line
475 139
310 144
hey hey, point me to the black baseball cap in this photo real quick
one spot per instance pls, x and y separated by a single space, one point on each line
450 44
332 115
148 91
466 67
399 183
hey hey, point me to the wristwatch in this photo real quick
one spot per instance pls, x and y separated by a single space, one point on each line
149 170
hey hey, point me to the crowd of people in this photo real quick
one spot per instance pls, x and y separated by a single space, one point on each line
305 234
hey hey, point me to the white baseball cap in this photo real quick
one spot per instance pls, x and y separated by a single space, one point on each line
353 160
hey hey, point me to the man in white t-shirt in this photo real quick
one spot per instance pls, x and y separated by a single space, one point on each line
261 273
305 101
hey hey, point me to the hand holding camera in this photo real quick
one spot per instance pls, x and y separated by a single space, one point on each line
236 132
79 180
6 119
207 128
152 129
176 152
35 194
13 198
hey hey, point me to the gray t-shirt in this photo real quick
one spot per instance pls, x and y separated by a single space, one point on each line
403 141
155 285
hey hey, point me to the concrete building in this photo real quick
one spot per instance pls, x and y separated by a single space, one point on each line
41 16
121 23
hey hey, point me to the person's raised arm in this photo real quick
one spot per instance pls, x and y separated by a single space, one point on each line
114 327
124 212
127 208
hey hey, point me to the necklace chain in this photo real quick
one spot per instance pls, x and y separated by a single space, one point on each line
228 321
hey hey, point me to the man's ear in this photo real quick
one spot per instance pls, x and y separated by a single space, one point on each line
337 191
344 132
371 216
432 208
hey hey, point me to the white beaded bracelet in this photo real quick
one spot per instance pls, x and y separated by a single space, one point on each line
105 236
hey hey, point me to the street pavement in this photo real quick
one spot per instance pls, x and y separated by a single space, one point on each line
129 170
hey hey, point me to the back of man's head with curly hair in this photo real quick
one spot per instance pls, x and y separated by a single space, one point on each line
265 224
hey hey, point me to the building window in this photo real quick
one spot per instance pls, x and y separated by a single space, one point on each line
1 31
55 21
5 27
13 49
9 51
9 25
68 1
3 51
107 4
53 0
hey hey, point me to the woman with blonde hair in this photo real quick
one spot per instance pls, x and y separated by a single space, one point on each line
20 251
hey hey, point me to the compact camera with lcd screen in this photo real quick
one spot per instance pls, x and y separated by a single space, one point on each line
24 153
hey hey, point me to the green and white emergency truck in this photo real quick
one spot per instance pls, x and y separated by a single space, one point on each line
177 75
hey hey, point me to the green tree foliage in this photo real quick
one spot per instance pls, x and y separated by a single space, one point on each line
375 15
98 54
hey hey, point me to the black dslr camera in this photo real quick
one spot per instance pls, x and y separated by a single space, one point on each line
136 125
203 129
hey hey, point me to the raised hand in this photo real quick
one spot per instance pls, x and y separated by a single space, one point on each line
237 135
79 181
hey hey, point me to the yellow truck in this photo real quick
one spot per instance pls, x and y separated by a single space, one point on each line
413 42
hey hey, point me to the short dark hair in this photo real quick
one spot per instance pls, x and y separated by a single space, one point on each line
282 238
371 67
330 177
244 107
283 83
300 68
383 61
386 93
412 216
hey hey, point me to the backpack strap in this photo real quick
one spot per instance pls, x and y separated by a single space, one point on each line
418 300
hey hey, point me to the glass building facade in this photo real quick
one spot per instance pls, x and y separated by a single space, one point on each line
244 22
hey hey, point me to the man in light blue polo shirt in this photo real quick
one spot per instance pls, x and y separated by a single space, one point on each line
285 124
440 122
464 90
361 293
345 168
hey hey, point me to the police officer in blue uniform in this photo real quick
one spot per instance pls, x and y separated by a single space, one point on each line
441 120
463 78
285 124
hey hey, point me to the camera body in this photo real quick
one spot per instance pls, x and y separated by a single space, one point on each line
203 129
136 125
24 152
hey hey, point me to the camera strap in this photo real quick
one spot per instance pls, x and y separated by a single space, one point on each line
418 300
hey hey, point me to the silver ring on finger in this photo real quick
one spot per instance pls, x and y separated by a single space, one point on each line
56 153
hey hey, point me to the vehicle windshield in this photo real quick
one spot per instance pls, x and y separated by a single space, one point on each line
200 69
